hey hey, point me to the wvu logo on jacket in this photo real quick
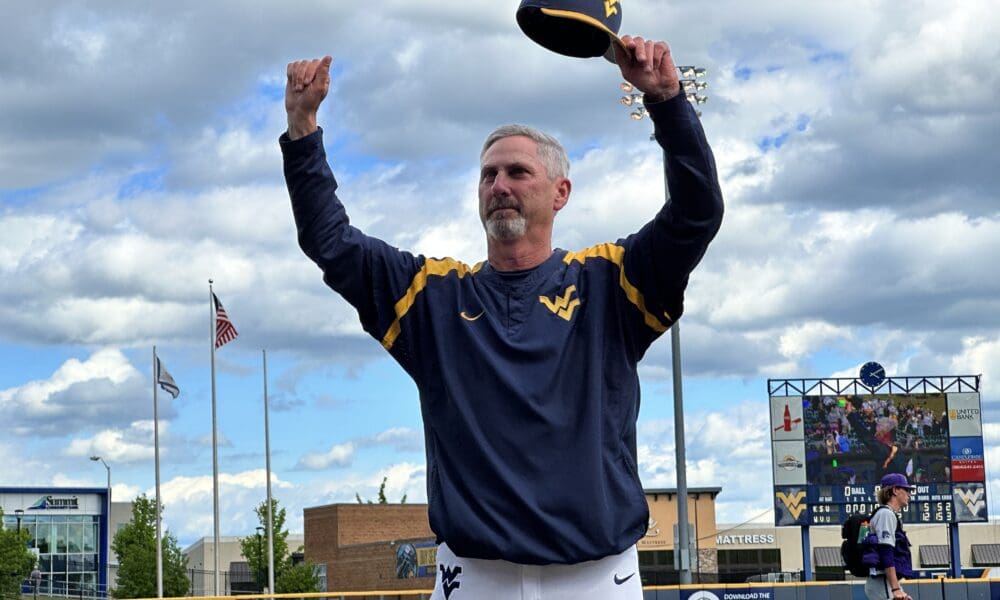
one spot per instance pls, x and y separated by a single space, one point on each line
562 306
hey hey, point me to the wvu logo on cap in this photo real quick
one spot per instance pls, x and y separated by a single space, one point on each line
580 28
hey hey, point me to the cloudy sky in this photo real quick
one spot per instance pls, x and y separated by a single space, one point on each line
856 143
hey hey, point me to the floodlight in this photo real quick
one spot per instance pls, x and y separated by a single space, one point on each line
689 71
690 85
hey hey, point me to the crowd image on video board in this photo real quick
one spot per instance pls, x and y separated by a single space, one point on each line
857 439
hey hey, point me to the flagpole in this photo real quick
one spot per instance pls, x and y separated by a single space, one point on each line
215 444
267 454
156 461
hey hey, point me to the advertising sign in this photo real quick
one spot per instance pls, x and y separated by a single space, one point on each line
964 417
747 593
789 463
967 459
786 414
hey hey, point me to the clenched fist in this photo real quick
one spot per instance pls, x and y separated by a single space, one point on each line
308 84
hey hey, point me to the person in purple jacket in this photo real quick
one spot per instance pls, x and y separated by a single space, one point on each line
894 561
525 363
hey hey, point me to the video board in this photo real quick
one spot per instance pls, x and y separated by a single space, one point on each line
829 451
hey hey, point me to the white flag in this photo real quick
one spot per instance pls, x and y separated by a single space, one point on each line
165 380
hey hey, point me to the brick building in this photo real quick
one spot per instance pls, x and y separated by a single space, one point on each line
358 543
385 547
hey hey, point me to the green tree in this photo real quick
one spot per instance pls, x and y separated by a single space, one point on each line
288 578
296 579
256 555
15 560
135 545
381 495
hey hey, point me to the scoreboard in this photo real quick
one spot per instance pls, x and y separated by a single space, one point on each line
831 446
832 506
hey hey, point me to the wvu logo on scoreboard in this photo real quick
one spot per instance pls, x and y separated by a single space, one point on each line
562 306
793 501
973 499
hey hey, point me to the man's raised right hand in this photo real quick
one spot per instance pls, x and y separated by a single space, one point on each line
308 84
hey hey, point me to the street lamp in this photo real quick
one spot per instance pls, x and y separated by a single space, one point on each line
107 526
260 559
19 514
690 86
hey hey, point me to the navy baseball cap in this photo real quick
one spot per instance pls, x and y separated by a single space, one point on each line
896 480
580 28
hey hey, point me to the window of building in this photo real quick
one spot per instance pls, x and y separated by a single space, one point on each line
735 566
320 572
67 552
656 567
657 558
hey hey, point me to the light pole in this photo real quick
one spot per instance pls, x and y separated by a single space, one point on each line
690 86
107 527
260 559
19 514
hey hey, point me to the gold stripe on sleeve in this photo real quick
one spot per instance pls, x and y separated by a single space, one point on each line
616 254
432 266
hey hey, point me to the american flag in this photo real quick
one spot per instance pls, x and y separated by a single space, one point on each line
224 330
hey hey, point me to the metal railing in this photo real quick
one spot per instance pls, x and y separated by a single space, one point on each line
62 589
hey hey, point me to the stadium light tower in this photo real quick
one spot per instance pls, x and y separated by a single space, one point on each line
690 86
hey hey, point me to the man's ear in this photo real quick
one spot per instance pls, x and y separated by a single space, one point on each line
563 188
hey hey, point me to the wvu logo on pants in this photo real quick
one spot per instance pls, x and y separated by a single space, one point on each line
449 579
562 306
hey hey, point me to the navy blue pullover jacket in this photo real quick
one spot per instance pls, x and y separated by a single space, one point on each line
527 381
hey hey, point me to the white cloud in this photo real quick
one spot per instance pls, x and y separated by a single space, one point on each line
28 239
980 355
133 444
105 364
805 338
400 438
401 478
340 455
100 389
188 502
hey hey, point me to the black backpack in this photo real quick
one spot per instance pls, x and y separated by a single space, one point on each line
852 550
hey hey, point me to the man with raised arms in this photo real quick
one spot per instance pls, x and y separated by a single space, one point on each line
526 363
